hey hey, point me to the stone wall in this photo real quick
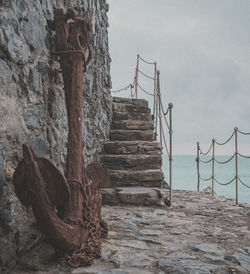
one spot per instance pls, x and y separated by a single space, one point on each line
32 106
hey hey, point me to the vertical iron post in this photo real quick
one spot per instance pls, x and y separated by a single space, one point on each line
155 90
159 106
236 166
170 151
213 143
131 91
198 166
136 75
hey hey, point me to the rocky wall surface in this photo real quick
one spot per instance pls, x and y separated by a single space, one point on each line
32 106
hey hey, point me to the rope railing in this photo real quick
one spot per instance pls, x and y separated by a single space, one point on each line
162 119
236 178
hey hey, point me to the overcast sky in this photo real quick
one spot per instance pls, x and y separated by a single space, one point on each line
202 48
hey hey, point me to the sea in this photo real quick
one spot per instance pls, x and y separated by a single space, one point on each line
184 175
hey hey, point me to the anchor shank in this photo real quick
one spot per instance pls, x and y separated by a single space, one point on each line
72 68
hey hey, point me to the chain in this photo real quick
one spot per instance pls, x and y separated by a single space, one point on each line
97 228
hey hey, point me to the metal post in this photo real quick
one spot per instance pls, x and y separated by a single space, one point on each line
213 143
198 166
155 90
136 76
236 165
159 106
170 151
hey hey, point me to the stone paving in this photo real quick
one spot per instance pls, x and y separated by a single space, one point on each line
198 234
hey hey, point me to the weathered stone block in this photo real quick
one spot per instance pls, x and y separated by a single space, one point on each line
131 135
132 162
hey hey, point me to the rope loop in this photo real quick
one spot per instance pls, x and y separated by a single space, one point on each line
243 183
207 179
225 162
206 162
144 74
149 63
225 184
244 156
205 153
145 90
244 133
221 144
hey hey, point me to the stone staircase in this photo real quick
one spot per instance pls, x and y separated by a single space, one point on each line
132 157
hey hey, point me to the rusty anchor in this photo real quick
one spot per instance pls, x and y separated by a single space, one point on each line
38 182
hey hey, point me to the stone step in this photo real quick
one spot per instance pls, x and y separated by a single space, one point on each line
132 125
121 115
138 102
132 147
140 196
131 135
131 108
146 178
131 162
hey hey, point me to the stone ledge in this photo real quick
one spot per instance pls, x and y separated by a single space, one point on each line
143 178
132 147
131 135
131 162
139 102
142 196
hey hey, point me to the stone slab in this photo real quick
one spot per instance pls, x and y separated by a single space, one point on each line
120 115
131 135
142 196
146 178
132 125
131 162
131 108
132 147
139 102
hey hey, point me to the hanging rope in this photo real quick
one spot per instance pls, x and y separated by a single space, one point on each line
224 184
122 89
244 156
146 75
225 162
206 162
164 116
221 144
207 179
244 133
243 183
207 151
145 90
149 63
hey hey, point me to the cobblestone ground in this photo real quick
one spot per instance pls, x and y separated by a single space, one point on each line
198 234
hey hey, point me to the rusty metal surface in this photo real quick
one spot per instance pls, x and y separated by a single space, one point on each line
78 231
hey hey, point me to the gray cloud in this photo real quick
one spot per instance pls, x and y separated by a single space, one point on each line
203 52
